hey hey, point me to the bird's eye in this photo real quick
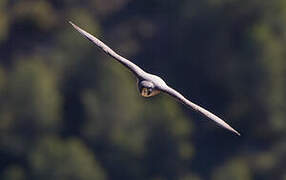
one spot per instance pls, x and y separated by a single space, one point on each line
146 92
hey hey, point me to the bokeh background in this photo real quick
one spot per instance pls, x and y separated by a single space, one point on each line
69 112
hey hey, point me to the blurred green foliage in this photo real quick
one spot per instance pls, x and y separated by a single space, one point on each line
68 111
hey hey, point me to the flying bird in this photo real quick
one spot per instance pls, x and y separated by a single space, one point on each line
151 85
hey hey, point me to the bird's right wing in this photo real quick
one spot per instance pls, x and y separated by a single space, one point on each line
137 71
197 108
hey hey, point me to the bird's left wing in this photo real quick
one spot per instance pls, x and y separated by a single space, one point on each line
197 108
137 71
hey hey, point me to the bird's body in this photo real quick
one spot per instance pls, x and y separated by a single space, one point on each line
151 85
158 82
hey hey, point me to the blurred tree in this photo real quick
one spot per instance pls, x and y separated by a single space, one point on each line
14 172
32 106
53 158
235 169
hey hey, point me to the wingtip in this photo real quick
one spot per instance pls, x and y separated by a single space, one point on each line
235 132
231 129
78 29
72 24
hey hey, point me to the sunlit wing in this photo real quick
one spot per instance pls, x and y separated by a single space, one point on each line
197 108
131 66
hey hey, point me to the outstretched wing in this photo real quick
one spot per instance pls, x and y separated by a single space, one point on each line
137 71
197 108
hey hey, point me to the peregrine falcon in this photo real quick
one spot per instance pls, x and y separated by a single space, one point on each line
151 85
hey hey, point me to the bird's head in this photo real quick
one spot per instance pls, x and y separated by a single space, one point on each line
147 88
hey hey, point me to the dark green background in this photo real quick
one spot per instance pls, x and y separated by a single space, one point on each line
69 112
